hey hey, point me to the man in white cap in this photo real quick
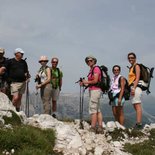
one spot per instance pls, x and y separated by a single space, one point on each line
18 73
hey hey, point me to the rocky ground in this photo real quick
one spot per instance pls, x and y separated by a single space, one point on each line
71 139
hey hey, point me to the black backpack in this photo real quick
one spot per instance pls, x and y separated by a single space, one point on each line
104 84
145 75
126 94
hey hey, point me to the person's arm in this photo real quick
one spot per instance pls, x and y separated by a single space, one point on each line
48 70
137 70
122 82
95 78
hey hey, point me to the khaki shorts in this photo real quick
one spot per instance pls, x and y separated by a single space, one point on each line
137 97
55 94
18 87
94 102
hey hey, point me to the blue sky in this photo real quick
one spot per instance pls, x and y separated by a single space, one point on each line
74 29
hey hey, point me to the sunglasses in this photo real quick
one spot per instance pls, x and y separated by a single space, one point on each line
43 61
55 62
131 58
89 61
116 70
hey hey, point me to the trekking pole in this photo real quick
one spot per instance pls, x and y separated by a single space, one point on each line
81 106
81 103
27 98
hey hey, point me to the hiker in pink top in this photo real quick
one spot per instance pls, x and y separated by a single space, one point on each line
94 94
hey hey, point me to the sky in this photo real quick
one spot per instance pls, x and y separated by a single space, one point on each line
74 29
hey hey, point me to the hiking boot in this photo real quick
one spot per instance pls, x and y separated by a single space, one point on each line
100 130
92 129
54 116
17 109
138 126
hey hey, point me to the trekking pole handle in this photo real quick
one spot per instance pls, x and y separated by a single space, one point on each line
80 80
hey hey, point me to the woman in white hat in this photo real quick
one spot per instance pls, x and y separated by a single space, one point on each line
43 82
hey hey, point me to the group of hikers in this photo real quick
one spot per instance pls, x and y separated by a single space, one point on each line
117 88
14 75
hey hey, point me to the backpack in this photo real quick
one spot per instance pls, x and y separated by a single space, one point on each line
145 77
126 94
58 70
104 84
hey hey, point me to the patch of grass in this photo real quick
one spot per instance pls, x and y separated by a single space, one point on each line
14 120
118 134
134 133
145 148
27 140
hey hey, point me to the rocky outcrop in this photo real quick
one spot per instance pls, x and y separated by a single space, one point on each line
71 139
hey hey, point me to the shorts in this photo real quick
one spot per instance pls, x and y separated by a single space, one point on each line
137 97
94 102
18 87
115 102
55 94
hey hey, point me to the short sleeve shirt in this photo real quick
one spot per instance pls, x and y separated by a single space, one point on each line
91 77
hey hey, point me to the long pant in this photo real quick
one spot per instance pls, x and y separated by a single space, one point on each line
46 98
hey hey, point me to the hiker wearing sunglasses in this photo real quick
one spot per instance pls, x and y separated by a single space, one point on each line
43 78
56 82
117 90
136 92
94 95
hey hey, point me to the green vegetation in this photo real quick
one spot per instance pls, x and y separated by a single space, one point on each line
118 134
145 148
27 140
14 120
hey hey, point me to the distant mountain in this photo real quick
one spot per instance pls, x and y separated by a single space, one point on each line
69 105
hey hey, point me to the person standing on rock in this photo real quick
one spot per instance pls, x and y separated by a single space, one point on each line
136 92
56 82
43 79
94 94
117 91
17 70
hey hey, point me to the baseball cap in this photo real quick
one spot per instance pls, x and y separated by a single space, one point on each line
19 50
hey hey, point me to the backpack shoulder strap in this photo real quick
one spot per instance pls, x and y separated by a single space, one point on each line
92 71
58 72
134 68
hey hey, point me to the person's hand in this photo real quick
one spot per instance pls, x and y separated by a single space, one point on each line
119 102
38 86
2 70
132 91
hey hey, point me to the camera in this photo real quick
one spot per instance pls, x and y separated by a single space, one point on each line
37 79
